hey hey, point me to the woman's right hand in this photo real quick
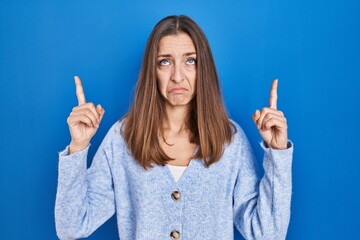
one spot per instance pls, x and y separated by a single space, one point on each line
83 121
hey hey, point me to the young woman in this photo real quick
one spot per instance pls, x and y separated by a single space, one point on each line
175 167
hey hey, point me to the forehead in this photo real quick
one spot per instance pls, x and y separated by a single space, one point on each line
175 43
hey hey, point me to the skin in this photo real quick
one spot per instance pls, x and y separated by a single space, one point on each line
176 76
271 122
176 70
83 121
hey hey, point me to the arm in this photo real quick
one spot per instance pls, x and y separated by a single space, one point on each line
85 197
262 209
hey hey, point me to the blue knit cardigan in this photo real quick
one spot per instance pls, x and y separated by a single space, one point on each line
208 202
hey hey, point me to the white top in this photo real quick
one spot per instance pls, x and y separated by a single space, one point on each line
176 171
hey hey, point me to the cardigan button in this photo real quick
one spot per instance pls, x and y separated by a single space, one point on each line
175 235
176 195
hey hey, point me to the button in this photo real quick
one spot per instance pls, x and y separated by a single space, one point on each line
175 235
175 195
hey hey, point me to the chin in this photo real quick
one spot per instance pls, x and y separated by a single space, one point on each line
178 102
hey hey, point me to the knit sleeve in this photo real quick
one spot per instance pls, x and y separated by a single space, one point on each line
85 197
262 207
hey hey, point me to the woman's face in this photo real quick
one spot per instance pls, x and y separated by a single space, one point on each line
176 69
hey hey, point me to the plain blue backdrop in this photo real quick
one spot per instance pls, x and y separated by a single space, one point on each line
313 47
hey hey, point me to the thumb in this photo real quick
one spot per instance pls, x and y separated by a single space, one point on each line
256 116
100 111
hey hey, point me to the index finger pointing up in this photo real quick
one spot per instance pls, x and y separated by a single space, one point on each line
79 91
273 94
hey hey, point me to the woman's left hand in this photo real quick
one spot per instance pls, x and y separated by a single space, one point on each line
271 122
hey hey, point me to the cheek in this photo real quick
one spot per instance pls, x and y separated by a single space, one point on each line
161 82
192 81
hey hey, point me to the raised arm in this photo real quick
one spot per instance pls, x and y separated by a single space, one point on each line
85 197
262 207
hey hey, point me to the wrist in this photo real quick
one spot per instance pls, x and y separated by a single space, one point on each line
278 146
77 147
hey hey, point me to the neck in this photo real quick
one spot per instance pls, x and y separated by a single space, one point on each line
176 117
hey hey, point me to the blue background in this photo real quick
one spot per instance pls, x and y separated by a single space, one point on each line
311 46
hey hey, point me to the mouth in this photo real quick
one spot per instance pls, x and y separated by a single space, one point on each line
178 90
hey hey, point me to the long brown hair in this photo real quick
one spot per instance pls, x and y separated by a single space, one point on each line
207 121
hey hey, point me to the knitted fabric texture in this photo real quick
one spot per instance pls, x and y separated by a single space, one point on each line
210 200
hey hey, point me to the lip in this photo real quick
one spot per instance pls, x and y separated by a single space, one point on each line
178 90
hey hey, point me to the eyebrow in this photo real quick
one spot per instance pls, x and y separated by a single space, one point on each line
169 55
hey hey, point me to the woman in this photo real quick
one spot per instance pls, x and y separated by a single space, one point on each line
175 167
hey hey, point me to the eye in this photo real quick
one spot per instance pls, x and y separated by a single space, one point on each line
164 62
191 61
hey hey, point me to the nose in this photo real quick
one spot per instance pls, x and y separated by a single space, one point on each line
177 73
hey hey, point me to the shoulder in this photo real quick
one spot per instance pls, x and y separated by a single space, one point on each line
238 132
239 142
117 127
114 134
